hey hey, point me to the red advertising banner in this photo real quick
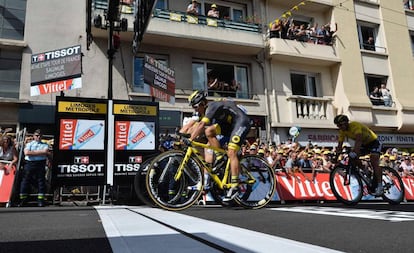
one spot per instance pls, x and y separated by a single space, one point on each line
288 188
6 185
62 85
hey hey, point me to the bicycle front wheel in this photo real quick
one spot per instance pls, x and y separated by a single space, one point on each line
257 182
164 190
346 185
393 186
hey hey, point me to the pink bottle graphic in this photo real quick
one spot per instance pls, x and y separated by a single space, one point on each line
137 137
86 135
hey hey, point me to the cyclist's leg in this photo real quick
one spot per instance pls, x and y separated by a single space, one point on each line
237 137
375 150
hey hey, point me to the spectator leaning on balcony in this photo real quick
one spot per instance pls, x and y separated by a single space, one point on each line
192 8
213 12
376 96
386 95
276 29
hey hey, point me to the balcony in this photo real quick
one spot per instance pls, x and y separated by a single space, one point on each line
302 52
173 28
312 111
168 28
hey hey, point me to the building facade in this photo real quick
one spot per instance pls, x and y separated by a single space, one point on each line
282 82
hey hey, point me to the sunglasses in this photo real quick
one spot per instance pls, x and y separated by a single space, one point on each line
196 105
37 135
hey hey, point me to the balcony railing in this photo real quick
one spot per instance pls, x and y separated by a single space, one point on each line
306 107
203 20
178 16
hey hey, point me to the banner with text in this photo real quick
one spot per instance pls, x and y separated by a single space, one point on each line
136 136
161 80
56 71
79 153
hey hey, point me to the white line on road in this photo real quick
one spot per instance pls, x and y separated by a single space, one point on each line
139 231
393 216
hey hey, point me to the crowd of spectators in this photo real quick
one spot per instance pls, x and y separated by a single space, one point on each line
293 159
286 28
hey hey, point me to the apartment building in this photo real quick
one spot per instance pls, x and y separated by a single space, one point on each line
281 82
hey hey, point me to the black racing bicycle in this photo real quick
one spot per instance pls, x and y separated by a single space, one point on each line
350 183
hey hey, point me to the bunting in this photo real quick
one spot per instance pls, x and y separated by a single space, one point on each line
288 13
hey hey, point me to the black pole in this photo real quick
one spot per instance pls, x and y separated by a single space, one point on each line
111 52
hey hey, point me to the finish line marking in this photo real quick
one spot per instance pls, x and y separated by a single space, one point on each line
392 216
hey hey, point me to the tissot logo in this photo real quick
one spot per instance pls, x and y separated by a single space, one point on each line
81 159
135 159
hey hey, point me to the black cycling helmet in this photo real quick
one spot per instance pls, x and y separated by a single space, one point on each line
340 119
196 97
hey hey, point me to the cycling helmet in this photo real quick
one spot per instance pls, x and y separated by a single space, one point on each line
196 97
340 119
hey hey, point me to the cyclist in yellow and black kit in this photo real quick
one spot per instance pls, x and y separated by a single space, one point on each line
226 118
366 141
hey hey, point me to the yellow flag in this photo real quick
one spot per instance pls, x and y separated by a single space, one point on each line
295 7
302 3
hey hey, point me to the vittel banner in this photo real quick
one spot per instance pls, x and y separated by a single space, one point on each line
80 145
56 70
135 136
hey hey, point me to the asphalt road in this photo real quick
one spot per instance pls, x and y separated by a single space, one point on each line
309 227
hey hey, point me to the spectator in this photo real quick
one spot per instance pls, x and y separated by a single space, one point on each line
36 153
213 12
369 44
192 8
320 35
276 29
301 34
284 29
376 96
292 166
306 164
8 155
406 168
386 95
385 161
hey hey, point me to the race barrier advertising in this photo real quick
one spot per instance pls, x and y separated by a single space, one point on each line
84 131
288 188
6 184
136 137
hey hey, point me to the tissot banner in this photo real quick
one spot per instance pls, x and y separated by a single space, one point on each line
136 136
79 154
81 144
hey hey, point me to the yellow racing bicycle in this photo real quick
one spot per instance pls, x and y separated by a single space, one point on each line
175 179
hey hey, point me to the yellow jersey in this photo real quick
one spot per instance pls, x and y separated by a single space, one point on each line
357 128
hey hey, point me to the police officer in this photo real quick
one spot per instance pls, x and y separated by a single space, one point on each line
36 153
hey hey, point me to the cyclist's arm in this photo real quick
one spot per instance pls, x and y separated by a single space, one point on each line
358 143
197 130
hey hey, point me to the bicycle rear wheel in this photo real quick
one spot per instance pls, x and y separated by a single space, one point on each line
393 186
162 187
257 182
346 185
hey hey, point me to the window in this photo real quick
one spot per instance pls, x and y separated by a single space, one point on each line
368 36
408 4
222 80
161 4
138 84
10 69
304 84
12 18
229 11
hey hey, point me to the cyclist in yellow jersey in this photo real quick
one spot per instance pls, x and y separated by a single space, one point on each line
366 141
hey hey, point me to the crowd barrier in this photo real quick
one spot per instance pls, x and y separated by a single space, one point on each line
299 188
